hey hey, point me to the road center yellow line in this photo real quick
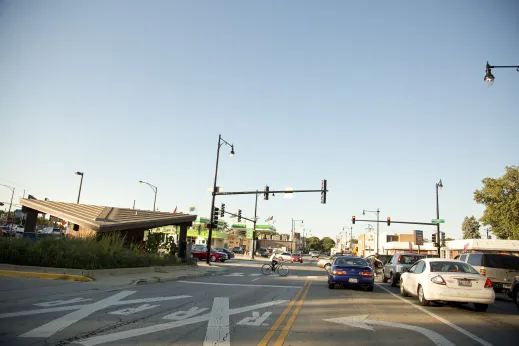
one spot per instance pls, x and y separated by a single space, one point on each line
292 319
281 318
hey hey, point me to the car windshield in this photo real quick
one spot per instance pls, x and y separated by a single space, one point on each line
501 261
409 259
452 267
345 261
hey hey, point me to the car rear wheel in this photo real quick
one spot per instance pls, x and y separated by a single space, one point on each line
421 297
384 278
222 260
393 280
403 293
370 288
481 307
331 286
213 258
516 297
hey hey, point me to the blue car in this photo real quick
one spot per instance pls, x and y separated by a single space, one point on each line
351 271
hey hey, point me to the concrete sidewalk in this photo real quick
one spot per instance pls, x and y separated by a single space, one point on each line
113 277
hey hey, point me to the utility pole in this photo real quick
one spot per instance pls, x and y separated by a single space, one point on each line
254 226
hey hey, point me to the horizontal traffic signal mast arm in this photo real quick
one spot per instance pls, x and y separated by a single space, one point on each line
233 214
260 192
405 222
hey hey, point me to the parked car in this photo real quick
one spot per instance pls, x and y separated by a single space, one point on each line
501 269
200 252
238 249
314 254
263 252
515 291
229 253
296 258
326 262
351 271
435 279
398 264
284 256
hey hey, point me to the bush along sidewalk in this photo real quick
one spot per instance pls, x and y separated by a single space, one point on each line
108 252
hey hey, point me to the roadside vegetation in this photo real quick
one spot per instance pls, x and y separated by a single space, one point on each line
81 253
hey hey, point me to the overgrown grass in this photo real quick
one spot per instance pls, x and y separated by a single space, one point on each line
79 253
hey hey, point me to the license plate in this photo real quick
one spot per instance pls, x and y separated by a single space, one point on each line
353 280
466 283
507 285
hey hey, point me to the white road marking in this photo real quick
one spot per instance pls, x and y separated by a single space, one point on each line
255 274
234 274
77 307
255 279
182 315
101 339
63 322
129 311
240 285
62 302
255 320
311 277
361 322
441 319
218 333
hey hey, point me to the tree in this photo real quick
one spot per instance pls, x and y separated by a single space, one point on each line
313 243
327 243
354 241
501 199
470 228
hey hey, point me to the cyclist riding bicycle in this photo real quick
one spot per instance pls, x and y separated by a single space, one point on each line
273 261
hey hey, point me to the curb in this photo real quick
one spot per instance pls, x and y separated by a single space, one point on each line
49 276
157 280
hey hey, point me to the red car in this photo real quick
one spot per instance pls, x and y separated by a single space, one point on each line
296 258
201 254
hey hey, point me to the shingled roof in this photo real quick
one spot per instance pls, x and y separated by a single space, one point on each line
103 219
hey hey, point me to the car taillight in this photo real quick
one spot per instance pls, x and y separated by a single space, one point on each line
483 272
366 273
488 284
399 259
338 272
438 280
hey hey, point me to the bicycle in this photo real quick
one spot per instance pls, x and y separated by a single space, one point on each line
280 268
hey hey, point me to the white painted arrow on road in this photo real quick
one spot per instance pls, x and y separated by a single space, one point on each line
361 321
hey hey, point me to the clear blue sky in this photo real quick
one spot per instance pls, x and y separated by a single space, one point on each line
382 99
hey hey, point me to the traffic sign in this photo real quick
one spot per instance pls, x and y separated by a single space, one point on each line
438 221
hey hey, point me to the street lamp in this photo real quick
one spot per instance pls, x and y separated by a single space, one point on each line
154 188
221 142
10 204
378 219
489 77
80 184
309 232
293 233
438 239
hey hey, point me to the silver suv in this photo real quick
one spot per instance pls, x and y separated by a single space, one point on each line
399 263
501 269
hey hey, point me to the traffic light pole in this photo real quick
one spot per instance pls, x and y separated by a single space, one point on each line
438 235
404 222
256 192
254 226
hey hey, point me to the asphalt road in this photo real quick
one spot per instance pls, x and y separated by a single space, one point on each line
240 307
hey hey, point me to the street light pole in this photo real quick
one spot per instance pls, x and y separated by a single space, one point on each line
438 239
378 221
10 205
293 233
80 185
489 77
221 141
154 188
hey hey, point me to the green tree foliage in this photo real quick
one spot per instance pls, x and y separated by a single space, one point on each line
501 199
327 244
470 228
313 243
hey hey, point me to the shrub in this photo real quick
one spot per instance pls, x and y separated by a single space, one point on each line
108 252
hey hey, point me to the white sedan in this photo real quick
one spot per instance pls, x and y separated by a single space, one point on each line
435 279
284 256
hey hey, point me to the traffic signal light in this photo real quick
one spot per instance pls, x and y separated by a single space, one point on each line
353 219
222 210
266 192
215 215
323 191
239 215
389 221
434 238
